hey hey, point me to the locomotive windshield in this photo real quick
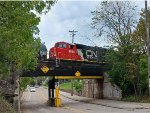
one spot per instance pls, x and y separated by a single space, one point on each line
64 45
61 45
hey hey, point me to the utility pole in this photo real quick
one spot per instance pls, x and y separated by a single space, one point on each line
73 34
148 45
19 110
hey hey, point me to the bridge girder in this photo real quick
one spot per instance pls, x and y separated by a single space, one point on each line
51 67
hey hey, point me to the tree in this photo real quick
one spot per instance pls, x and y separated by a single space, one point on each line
18 33
26 81
116 20
139 35
140 38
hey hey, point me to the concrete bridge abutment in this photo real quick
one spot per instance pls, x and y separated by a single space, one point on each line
101 88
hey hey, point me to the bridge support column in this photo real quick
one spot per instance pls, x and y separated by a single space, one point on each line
51 87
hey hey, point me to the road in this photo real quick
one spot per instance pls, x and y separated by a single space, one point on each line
36 102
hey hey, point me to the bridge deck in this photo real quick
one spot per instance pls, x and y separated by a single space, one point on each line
51 67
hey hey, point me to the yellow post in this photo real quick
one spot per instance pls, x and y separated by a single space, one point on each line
57 98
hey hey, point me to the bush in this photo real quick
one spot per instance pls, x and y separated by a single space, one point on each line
78 85
133 98
5 107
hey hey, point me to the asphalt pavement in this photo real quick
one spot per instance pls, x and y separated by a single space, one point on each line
36 102
107 103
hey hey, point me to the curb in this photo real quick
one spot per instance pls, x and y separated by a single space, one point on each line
105 104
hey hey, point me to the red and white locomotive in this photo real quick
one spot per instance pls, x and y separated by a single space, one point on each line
64 50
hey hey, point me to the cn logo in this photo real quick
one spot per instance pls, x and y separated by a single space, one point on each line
91 54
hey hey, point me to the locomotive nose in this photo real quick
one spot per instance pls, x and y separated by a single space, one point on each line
43 52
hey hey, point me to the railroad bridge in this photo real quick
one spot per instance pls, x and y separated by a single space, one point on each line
64 69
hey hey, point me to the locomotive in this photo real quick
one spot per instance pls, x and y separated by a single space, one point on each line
67 51
42 54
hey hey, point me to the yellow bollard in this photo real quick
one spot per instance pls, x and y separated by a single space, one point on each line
57 92
57 98
57 102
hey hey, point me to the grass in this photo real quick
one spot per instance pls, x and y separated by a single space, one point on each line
143 99
66 86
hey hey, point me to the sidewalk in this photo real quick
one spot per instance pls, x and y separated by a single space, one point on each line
107 103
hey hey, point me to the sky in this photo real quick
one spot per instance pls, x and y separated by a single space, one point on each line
71 15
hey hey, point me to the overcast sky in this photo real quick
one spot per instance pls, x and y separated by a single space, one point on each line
70 15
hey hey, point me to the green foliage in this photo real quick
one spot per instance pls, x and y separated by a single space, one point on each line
1 97
139 38
33 82
26 81
77 83
19 43
119 72
129 70
39 80
4 70
144 73
66 86
128 58
133 98
139 35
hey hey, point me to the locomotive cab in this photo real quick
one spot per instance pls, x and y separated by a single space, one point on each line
63 50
